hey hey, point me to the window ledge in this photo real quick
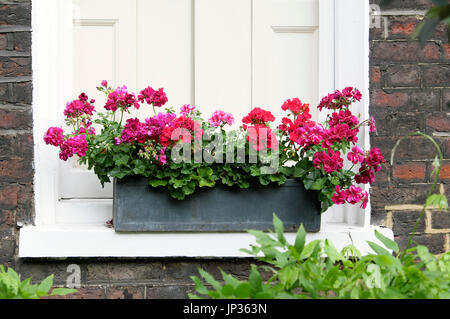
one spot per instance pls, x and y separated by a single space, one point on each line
59 241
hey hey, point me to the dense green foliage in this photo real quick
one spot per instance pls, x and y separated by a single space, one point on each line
319 270
11 287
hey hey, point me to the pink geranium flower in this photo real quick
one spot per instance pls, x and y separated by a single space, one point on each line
150 96
356 155
187 109
54 136
74 145
220 118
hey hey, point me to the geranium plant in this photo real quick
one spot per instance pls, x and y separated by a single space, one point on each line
183 152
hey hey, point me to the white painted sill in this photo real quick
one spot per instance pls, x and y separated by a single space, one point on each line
59 241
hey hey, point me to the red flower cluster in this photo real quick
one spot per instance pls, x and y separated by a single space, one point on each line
79 107
134 131
182 129
352 195
262 137
121 99
54 136
302 130
73 145
330 161
295 106
369 166
343 126
150 96
258 116
308 134
338 99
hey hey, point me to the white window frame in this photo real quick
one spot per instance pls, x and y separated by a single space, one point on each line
81 234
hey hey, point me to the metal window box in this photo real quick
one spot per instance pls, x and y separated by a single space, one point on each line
141 208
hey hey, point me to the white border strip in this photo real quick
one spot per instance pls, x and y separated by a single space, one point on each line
99 241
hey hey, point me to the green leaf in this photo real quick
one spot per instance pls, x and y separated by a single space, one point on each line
177 193
378 249
279 229
158 182
299 172
243 290
63 291
386 241
264 180
46 284
121 159
229 279
227 291
300 239
384 260
310 248
255 280
204 172
288 275
210 280
318 184
331 251
437 200
199 286
15 276
255 170
189 188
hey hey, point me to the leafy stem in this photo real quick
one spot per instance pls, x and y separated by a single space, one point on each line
433 186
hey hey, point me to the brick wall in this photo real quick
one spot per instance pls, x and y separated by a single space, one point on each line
16 137
410 90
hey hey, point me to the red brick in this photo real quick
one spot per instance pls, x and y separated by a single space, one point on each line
447 51
445 172
8 196
6 219
436 75
440 122
16 145
16 169
410 171
375 74
15 119
404 75
405 52
403 26
381 98
15 67
125 293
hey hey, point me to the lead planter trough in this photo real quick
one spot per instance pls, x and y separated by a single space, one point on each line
141 208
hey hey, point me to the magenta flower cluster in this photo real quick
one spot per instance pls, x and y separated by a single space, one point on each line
150 96
220 118
338 99
79 107
353 195
121 99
